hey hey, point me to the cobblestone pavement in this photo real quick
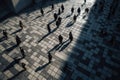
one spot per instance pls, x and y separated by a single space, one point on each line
87 57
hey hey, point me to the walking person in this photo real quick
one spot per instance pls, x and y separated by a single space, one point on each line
42 12
78 11
58 22
21 24
86 12
70 36
74 18
72 10
59 19
23 66
84 1
62 7
55 16
18 41
60 38
52 7
59 12
22 52
49 58
48 27
5 34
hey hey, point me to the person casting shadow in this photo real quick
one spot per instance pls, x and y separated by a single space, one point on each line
22 52
67 42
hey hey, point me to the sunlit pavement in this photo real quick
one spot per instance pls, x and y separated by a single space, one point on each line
87 57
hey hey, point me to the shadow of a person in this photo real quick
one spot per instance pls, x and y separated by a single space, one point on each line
2 39
41 67
54 48
15 61
68 15
48 34
70 24
64 45
16 31
9 49
16 75
51 22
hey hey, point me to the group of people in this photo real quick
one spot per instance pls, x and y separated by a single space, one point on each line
60 38
18 41
17 38
58 20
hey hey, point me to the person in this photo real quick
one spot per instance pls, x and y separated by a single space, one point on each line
59 19
5 34
48 27
60 39
42 12
74 18
21 24
86 10
23 65
52 7
22 52
18 41
59 11
55 16
84 1
58 22
72 10
78 10
70 36
62 7
49 57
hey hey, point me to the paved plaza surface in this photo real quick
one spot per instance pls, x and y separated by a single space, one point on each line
88 57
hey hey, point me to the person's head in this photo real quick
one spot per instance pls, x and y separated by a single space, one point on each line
20 21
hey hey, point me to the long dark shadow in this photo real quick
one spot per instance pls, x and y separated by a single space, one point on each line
59 47
48 34
65 45
68 15
42 67
16 75
16 31
2 39
37 17
9 49
71 23
15 61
